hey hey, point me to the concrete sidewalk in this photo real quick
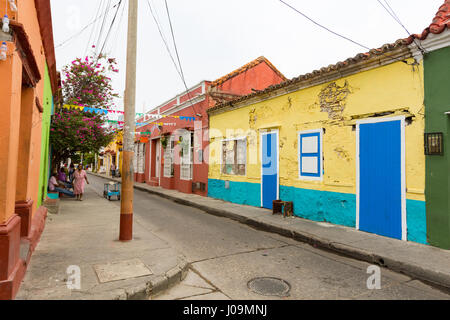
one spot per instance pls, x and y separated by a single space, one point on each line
85 234
426 263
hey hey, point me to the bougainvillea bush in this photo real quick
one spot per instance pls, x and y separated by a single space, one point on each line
74 131
86 82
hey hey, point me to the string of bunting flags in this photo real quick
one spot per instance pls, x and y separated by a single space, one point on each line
147 117
97 110
140 124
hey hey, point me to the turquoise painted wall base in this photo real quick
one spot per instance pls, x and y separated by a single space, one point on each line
332 207
239 192
416 218
323 206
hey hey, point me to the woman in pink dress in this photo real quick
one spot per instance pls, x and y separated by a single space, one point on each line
78 182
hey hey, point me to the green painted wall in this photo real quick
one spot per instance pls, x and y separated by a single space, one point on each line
437 102
46 117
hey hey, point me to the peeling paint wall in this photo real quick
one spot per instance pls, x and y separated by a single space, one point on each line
335 106
333 99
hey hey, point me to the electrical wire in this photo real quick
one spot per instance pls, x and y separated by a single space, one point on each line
163 38
93 28
392 13
323 27
174 41
339 35
97 44
157 17
110 28
82 30
116 37
178 56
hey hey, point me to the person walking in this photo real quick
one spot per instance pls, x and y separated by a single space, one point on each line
78 183
113 170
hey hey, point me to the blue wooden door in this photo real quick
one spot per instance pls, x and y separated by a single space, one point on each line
380 184
269 169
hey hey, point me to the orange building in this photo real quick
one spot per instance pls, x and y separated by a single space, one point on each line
30 59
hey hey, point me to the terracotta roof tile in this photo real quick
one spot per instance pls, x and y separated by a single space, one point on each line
440 22
245 68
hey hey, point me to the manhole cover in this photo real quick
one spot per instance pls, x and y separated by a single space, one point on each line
270 287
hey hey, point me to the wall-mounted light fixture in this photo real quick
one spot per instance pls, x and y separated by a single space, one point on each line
434 144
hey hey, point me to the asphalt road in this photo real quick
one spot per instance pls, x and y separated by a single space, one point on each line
225 255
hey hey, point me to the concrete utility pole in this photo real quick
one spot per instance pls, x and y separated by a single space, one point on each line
126 208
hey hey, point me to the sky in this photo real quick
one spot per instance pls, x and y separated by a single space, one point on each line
215 37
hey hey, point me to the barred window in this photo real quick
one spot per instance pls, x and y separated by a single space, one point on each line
234 157
186 156
168 158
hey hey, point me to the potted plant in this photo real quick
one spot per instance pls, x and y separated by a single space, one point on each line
164 141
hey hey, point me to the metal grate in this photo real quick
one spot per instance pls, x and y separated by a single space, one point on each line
268 286
434 144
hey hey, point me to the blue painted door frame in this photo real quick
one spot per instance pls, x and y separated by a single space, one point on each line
381 199
269 168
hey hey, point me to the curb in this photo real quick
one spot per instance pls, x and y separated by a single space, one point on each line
158 284
434 278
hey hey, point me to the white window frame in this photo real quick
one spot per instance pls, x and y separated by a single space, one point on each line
190 162
310 178
221 155
170 151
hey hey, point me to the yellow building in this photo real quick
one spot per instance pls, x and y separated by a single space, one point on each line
343 143
112 155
